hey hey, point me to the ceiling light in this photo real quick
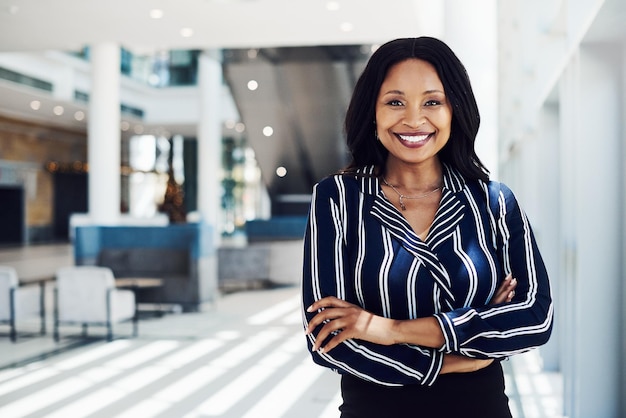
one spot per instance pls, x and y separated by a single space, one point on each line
35 105
332 6
253 85
252 53
281 171
156 13
186 32
346 27
268 131
240 127
138 129
58 110
79 115
124 126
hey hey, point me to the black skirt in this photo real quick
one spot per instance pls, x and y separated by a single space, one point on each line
478 394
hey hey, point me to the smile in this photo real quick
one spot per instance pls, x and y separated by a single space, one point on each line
414 139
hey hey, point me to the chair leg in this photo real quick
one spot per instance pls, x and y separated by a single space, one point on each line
55 331
13 331
42 307
135 326
108 313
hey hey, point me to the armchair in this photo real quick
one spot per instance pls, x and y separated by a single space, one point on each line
87 295
18 303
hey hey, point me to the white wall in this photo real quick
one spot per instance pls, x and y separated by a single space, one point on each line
562 104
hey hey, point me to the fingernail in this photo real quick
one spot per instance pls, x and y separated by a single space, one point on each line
309 309
513 280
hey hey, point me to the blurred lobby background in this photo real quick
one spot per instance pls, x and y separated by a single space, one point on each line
215 118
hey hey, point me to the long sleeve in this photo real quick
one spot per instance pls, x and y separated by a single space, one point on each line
334 261
526 322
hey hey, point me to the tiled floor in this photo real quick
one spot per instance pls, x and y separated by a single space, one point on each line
244 356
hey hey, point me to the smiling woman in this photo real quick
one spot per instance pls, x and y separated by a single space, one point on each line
420 275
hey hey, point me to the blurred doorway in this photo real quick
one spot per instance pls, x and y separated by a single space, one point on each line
11 215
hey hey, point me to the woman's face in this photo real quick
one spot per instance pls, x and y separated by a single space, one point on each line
413 115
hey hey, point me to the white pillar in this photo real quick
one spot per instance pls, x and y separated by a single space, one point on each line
594 181
472 33
210 140
104 137
210 163
544 210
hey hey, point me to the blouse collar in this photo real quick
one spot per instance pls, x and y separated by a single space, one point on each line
370 182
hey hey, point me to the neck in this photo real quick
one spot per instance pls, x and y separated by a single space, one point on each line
415 178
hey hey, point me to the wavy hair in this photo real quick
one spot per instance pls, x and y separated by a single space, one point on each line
459 152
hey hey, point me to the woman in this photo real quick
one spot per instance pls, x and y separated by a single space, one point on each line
420 275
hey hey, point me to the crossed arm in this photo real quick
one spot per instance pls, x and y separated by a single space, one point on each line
346 320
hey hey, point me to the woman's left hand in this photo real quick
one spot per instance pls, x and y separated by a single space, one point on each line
346 320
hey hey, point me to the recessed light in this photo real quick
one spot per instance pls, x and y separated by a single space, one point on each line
186 32
332 6
240 127
253 85
268 131
58 110
156 13
346 27
79 115
35 105
281 171
124 125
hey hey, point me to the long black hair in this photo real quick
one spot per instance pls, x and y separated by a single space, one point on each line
360 127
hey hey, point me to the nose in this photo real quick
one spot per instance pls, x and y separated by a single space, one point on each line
413 116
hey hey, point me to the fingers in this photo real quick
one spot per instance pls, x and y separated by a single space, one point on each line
332 328
334 324
333 315
329 309
324 316
328 301
506 291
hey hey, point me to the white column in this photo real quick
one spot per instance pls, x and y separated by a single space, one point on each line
594 347
471 31
210 140
104 137
544 209
210 163
569 97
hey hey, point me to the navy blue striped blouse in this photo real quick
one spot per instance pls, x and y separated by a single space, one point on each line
358 247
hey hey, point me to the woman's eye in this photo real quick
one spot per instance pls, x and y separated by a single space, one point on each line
394 103
433 103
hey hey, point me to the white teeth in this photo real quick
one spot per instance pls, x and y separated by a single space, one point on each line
413 138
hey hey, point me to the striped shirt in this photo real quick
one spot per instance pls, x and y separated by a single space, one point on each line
359 248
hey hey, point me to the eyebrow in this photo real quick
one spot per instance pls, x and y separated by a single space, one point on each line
426 92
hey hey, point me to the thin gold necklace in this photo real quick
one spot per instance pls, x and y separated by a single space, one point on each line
402 196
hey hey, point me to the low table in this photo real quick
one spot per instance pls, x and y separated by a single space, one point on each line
136 284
